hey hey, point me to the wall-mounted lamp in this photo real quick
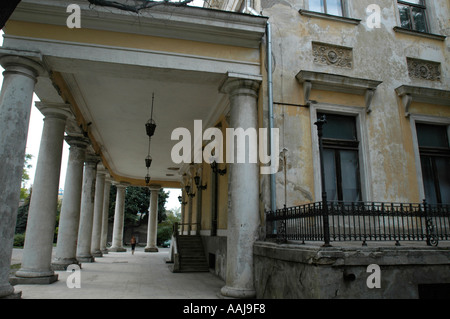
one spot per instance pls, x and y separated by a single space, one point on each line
216 169
180 199
187 188
197 183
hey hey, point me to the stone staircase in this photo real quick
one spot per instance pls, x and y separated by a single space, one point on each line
191 254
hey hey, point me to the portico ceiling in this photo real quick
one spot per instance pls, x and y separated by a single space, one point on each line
119 105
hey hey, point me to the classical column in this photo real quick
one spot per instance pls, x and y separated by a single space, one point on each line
152 220
119 212
98 213
243 213
69 220
87 210
37 253
105 213
19 78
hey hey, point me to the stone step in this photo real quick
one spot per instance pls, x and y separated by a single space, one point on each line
192 254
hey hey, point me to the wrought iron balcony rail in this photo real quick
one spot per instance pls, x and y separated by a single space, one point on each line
360 221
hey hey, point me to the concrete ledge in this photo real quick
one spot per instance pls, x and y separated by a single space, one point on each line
117 249
14 280
342 256
151 250
295 271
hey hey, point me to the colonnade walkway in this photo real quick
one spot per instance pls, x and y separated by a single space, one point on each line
121 275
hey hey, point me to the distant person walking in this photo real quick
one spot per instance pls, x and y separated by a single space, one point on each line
133 244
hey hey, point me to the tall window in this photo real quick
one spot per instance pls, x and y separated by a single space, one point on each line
333 7
435 160
413 15
341 158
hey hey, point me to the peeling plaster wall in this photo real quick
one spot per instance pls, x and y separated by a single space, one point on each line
378 54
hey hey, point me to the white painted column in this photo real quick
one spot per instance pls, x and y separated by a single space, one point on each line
98 212
152 230
69 220
19 79
119 214
243 214
87 210
37 253
105 213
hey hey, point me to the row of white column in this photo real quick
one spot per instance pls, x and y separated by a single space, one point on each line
15 105
83 225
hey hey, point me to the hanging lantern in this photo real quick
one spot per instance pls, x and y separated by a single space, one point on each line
148 161
150 126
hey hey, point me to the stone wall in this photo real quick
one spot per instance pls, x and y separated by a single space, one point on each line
306 271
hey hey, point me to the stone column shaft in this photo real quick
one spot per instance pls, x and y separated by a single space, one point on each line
69 220
152 220
98 214
87 210
19 79
37 253
105 213
243 214
119 212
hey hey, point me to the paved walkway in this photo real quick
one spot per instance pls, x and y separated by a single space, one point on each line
125 276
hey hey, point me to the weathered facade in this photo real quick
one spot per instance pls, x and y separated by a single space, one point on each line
383 76
383 87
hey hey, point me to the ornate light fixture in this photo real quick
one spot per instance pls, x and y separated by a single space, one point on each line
216 169
150 128
197 183
187 188
180 199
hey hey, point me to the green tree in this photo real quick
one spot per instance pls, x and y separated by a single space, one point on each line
25 176
165 228
137 201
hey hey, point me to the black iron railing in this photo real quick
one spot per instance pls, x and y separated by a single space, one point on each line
360 221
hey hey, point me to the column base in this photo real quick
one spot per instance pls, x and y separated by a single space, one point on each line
47 280
13 295
151 250
6 290
241 293
86 259
63 264
117 249
97 253
104 251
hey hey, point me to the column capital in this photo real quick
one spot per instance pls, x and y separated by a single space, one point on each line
92 160
27 66
121 184
77 141
108 178
241 84
101 170
154 187
58 110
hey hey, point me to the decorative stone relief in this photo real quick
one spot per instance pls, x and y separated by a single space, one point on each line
425 70
328 54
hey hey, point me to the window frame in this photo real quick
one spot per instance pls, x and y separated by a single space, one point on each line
343 8
423 6
430 120
365 178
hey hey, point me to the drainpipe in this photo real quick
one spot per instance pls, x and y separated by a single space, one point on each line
273 198
248 9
